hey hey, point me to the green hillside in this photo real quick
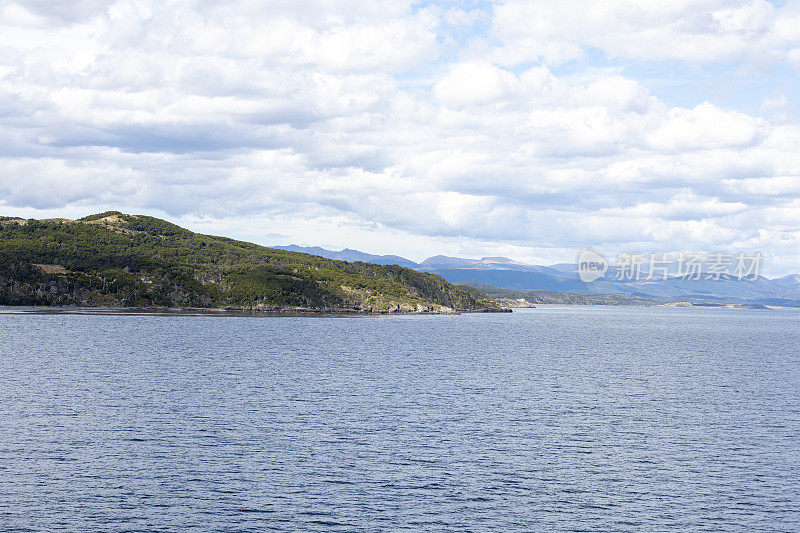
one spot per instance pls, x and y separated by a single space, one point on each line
114 259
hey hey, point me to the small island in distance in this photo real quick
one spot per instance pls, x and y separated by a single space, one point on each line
116 260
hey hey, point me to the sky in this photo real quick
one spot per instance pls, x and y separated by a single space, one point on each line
525 129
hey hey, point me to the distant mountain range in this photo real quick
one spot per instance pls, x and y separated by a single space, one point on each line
509 274
351 255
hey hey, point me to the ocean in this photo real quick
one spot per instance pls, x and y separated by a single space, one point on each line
557 418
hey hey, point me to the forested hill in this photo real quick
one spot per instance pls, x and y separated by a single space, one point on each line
113 259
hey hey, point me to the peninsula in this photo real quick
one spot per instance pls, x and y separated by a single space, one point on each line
117 260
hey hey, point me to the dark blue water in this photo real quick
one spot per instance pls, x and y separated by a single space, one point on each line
546 419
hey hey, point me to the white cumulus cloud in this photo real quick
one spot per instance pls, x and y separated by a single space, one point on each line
412 128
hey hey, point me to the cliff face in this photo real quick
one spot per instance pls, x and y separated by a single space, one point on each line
114 259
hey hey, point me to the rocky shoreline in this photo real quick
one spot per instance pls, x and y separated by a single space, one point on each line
234 311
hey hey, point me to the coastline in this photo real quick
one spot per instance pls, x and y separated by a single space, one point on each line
226 312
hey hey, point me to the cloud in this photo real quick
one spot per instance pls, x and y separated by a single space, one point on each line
704 127
303 111
47 12
699 31
474 84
